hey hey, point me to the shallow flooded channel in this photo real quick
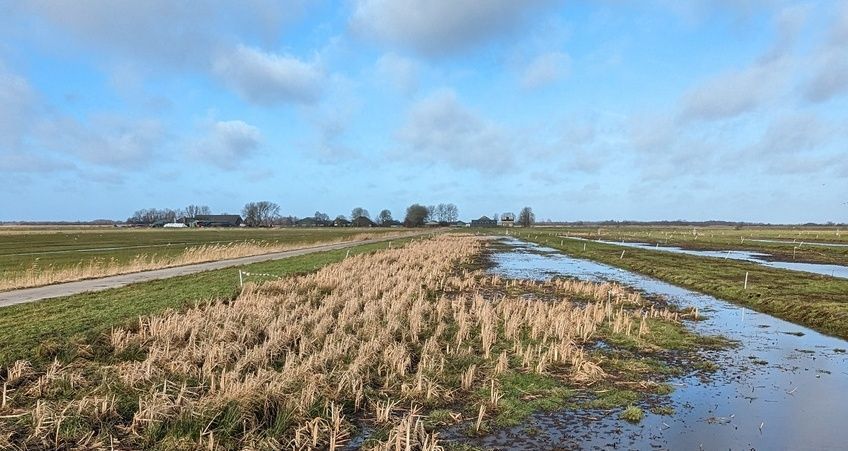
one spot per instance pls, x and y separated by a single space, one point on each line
785 387
839 271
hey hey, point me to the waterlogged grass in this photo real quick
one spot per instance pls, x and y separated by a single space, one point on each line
783 243
816 301
63 327
524 394
632 414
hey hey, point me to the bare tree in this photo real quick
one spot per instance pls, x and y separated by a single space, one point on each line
260 214
385 217
321 217
192 211
446 212
153 215
359 212
526 218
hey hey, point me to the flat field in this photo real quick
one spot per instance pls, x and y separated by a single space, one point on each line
41 256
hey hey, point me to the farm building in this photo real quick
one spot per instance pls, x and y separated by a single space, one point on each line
218 221
362 221
341 222
175 225
484 221
507 219
312 222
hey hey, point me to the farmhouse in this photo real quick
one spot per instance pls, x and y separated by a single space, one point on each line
218 220
341 222
484 221
312 222
362 221
507 219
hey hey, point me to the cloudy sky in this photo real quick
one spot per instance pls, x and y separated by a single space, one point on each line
655 109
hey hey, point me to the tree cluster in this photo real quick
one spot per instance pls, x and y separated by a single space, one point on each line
260 214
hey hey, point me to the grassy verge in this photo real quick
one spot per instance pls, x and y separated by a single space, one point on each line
816 301
63 327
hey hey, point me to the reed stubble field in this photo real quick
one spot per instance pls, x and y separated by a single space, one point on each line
32 257
380 350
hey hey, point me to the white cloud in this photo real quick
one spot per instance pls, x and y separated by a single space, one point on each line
734 92
175 33
17 106
440 129
401 72
830 70
545 69
436 28
268 78
227 143
106 140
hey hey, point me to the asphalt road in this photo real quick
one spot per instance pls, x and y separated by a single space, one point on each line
21 296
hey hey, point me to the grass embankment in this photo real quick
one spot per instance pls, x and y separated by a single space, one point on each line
400 341
816 301
64 327
783 244
33 258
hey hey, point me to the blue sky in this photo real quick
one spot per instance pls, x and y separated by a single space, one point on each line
584 110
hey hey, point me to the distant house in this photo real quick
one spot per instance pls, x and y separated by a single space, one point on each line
312 222
432 224
391 223
484 221
459 224
341 222
219 220
362 221
507 219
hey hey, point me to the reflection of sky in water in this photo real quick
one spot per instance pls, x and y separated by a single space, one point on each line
799 395
754 257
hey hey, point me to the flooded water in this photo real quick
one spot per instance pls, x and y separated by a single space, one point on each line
800 243
785 387
754 257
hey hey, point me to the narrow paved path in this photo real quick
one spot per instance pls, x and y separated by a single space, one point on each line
24 295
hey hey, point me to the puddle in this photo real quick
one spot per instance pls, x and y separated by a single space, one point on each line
785 387
754 257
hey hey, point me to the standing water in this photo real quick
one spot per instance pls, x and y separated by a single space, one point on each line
839 271
784 387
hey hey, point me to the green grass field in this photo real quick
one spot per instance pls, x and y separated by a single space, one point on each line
816 301
794 245
21 249
64 327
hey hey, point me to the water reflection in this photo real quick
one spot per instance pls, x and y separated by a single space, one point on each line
784 388
754 257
